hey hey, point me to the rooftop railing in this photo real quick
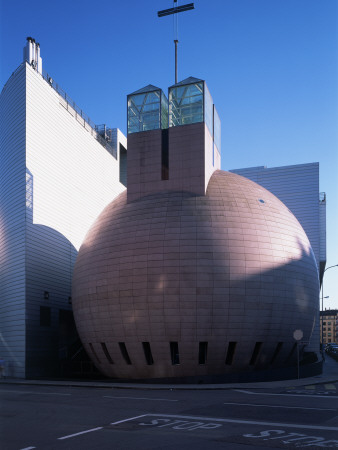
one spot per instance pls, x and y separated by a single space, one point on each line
94 129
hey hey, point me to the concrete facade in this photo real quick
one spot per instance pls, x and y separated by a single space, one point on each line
190 159
55 178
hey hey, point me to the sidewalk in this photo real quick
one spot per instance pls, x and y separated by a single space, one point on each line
329 375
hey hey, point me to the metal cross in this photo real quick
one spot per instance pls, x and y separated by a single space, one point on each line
176 9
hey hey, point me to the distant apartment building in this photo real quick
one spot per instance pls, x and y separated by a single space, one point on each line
57 172
329 326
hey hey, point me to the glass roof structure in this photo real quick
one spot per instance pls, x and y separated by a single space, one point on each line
190 102
147 110
186 102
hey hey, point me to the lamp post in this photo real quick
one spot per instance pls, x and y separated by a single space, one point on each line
336 265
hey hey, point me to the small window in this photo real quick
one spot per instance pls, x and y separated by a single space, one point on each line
106 352
147 353
276 352
202 353
94 353
124 352
230 353
329 323
255 353
175 357
45 316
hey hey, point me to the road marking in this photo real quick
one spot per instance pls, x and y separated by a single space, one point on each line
27 448
180 424
32 392
144 398
246 422
286 395
279 406
131 418
78 434
284 437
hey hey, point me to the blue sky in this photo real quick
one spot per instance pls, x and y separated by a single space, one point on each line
271 67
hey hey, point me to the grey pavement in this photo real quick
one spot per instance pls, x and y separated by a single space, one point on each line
329 375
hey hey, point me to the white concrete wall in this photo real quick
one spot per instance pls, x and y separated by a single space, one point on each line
74 178
12 224
70 179
322 228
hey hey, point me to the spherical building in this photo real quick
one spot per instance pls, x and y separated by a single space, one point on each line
173 283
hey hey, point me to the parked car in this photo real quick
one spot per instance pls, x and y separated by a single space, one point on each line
332 348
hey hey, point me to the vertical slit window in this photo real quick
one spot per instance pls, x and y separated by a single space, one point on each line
255 353
147 353
202 353
230 353
94 353
124 352
175 357
165 154
276 352
106 352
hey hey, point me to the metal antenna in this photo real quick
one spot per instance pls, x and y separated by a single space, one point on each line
176 9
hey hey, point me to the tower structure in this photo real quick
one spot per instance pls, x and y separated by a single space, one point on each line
172 157
57 172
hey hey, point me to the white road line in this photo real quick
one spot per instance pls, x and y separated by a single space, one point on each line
144 398
279 406
27 448
32 392
78 434
247 422
286 395
130 418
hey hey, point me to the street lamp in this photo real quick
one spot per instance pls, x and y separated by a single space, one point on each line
336 265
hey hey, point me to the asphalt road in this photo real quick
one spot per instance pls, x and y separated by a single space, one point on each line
41 417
